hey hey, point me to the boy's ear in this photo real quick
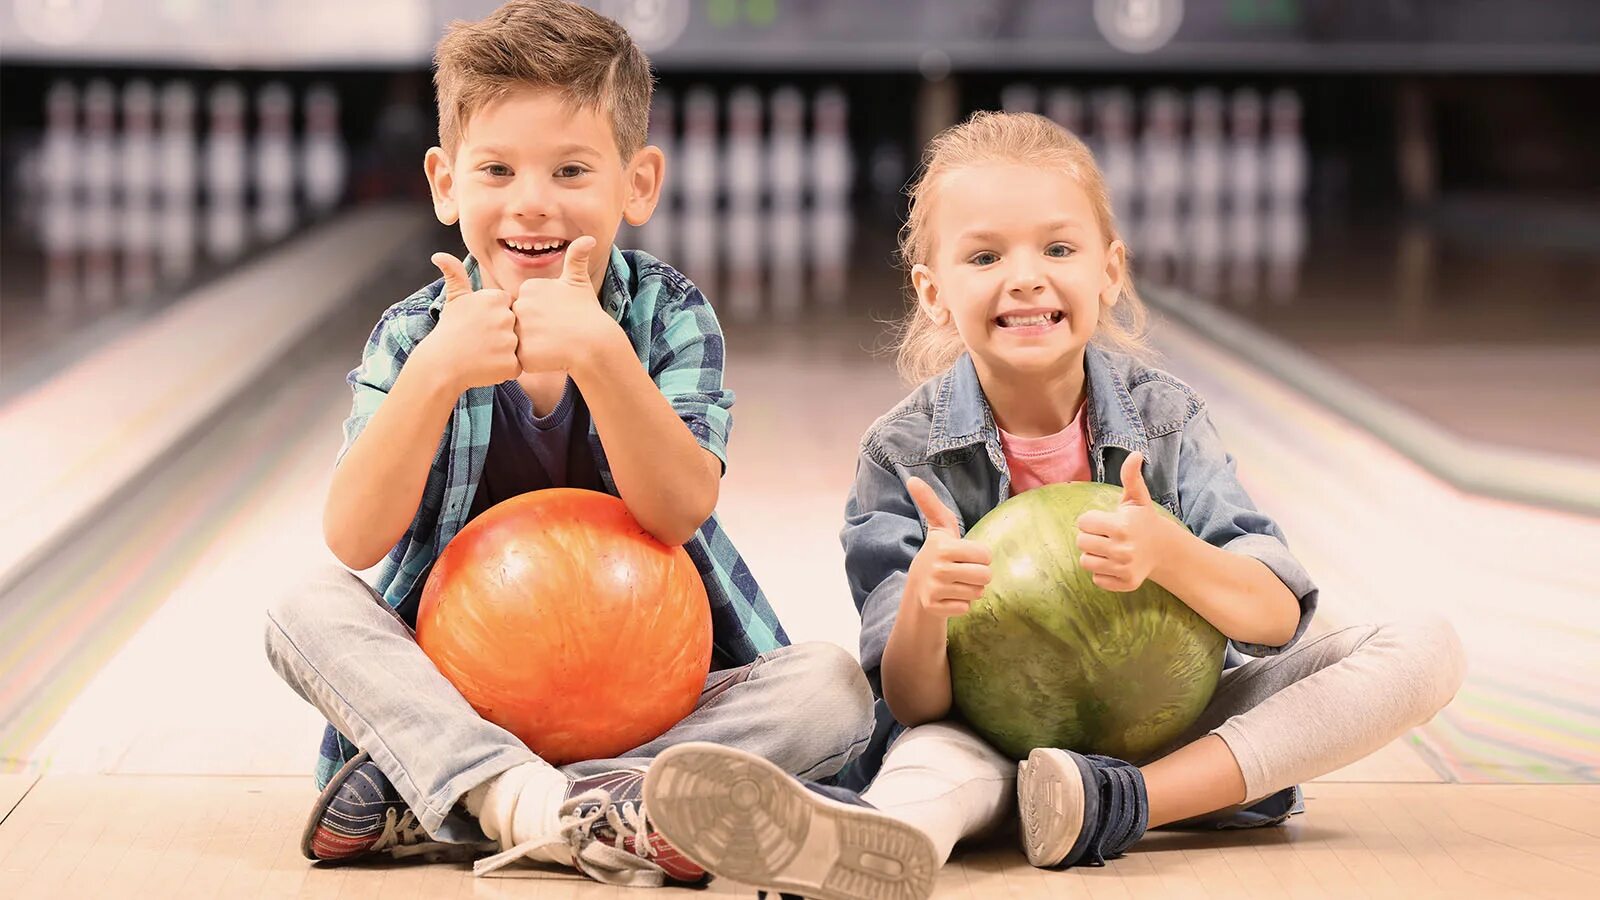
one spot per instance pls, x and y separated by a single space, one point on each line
441 182
646 171
1116 273
928 299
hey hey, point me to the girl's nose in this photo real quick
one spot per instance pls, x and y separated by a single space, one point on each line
1025 281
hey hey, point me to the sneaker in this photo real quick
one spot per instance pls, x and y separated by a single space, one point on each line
1078 809
359 813
743 818
608 836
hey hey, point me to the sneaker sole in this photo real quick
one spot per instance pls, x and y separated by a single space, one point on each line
740 817
321 806
1051 801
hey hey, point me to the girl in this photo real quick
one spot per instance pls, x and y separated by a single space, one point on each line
1026 318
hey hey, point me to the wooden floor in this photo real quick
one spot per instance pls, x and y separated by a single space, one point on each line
171 837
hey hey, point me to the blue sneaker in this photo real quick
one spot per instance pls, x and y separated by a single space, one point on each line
359 813
1079 810
743 818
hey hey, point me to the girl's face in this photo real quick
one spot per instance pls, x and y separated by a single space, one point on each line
1018 266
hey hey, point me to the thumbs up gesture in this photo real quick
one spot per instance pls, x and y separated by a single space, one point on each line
949 572
475 342
1120 548
559 321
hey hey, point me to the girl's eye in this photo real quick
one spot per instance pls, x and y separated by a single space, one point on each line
498 170
984 258
1058 249
572 171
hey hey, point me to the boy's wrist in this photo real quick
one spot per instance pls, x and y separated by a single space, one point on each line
608 348
433 373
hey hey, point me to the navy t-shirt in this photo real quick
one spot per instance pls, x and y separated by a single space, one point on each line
531 453
527 453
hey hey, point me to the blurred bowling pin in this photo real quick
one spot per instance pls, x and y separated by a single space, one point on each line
656 236
176 184
137 172
226 172
274 161
1114 151
832 178
61 216
99 180
323 165
1064 106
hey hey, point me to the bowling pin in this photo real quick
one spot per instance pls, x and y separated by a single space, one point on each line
61 214
179 176
137 157
1064 106
273 154
656 236
323 163
99 180
226 172
832 179
1115 152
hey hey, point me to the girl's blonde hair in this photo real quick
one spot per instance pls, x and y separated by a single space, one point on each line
924 348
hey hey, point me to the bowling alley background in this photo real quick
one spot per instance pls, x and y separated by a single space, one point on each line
1369 231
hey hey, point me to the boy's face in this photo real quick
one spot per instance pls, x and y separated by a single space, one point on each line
1018 266
532 174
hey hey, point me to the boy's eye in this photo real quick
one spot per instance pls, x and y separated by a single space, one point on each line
984 258
570 171
498 170
1058 249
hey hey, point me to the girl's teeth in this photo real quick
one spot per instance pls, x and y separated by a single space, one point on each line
1019 321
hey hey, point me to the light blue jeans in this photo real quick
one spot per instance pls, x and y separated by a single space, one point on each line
805 707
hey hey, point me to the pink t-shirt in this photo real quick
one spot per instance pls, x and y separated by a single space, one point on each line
1054 458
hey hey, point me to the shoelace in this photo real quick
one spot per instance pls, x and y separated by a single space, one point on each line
575 833
402 835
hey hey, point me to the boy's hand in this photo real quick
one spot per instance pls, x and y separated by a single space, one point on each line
475 342
559 321
1122 547
948 573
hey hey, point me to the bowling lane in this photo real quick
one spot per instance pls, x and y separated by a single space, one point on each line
165 594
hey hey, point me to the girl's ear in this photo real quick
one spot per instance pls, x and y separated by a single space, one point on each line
927 288
1115 275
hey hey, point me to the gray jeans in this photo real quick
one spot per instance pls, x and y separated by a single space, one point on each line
1322 704
805 707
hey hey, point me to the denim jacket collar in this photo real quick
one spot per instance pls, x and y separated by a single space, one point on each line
962 418
614 296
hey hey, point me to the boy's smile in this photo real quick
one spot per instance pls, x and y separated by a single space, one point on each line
534 173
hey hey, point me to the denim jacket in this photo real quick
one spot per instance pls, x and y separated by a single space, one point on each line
945 433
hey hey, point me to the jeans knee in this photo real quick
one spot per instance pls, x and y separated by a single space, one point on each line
839 687
305 601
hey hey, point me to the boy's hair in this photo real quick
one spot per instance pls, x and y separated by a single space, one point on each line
925 349
585 57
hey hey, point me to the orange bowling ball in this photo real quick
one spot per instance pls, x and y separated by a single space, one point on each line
563 621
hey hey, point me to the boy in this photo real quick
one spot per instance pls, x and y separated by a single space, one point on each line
548 358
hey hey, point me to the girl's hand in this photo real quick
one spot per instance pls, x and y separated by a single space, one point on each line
948 573
1121 548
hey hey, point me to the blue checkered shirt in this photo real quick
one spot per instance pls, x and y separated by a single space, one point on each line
676 336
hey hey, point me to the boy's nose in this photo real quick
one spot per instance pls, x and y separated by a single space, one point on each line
531 199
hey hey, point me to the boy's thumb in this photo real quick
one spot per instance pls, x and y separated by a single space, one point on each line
575 268
456 282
